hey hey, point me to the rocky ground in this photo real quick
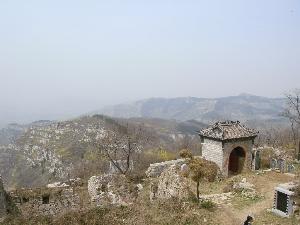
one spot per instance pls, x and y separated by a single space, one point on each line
239 208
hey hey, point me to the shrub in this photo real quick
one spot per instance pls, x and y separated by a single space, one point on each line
208 204
202 169
186 154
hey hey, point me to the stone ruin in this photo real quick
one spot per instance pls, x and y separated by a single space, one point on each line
171 183
110 189
168 180
62 197
55 199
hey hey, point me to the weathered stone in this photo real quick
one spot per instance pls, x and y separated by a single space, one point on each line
111 189
291 168
156 169
170 184
47 201
273 164
184 168
57 184
281 165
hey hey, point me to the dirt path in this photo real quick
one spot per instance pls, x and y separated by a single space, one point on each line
264 185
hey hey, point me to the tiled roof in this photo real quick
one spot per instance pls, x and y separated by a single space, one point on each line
228 130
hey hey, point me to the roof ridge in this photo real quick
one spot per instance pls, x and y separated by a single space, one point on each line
229 130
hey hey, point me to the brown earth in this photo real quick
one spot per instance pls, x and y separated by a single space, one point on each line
264 185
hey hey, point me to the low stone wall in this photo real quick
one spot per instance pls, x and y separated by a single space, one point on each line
46 201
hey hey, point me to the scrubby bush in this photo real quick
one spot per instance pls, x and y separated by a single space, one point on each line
186 154
202 169
208 204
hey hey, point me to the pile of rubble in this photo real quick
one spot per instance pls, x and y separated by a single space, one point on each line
246 189
218 199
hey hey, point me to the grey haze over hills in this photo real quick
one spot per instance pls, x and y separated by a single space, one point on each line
244 107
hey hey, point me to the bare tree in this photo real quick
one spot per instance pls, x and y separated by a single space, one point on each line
292 112
120 144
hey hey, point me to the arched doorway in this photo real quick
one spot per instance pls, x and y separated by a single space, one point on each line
236 161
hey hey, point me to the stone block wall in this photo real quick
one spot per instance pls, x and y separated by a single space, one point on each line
219 152
213 151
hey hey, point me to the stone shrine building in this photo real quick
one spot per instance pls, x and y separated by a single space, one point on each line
230 145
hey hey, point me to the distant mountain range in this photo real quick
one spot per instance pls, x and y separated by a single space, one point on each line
244 107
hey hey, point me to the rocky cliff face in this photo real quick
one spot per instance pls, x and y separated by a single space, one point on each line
51 151
56 146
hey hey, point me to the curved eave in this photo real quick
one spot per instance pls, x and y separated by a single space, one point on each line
228 139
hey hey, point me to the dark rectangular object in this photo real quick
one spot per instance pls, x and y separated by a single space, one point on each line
282 202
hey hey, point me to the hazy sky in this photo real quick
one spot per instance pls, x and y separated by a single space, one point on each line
68 57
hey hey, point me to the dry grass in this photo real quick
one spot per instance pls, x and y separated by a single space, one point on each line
268 218
159 213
